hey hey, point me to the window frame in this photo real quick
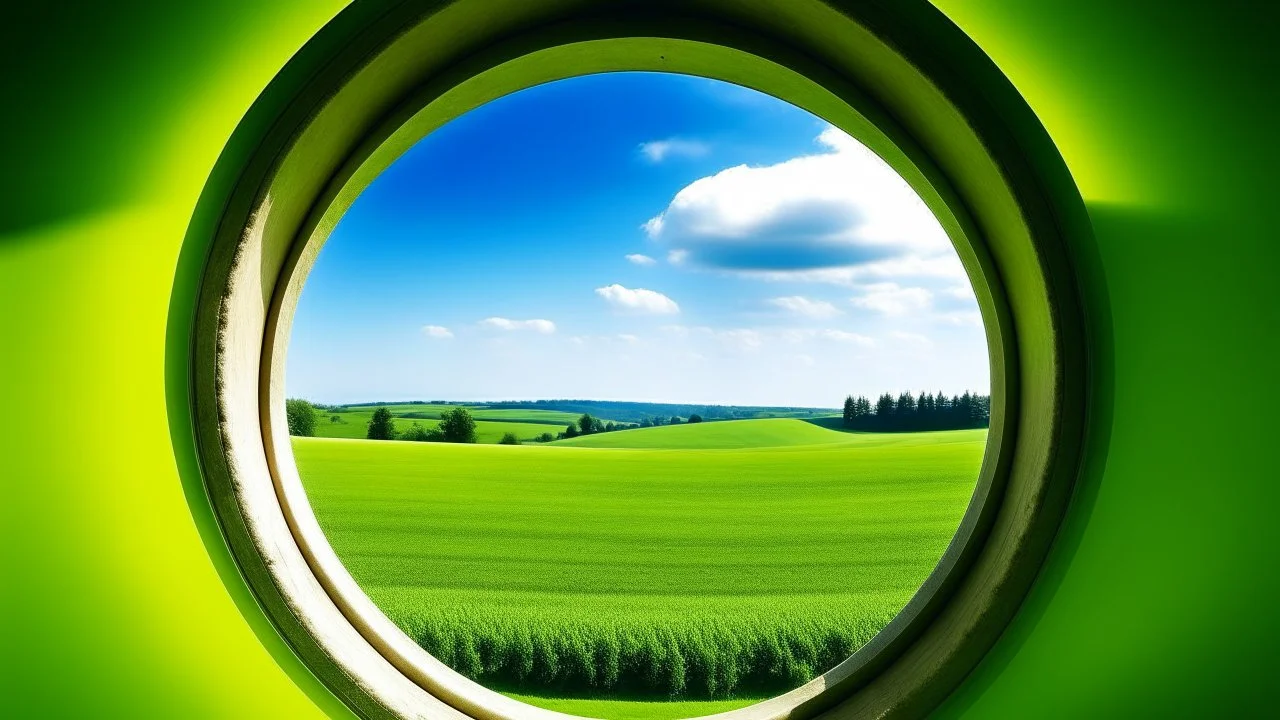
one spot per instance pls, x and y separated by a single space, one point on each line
902 80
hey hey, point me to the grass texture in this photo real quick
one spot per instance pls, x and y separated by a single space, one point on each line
681 569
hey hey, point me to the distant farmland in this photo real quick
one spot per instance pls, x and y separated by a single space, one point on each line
690 562
352 423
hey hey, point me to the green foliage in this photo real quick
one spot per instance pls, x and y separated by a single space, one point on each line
381 427
509 439
417 433
301 417
583 604
570 431
458 426
586 424
545 437
695 418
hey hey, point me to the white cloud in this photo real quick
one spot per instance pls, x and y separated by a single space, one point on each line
658 150
945 266
638 300
638 259
677 256
800 335
891 299
841 208
437 332
804 306
546 327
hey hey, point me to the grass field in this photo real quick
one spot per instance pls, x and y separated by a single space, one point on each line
724 434
682 566
354 425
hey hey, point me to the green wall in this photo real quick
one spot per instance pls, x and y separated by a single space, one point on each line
1158 598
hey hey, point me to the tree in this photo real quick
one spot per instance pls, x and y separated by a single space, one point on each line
675 420
301 416
545 437
587 424
695 418
850 410
509 439
381 426
458 426
571 430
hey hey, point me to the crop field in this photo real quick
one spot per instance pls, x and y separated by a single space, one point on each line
702 565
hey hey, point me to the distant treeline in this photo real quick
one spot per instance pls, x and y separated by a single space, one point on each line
655 413
923 412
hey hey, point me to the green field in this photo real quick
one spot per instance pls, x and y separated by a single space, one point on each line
354 425
676 565
728 434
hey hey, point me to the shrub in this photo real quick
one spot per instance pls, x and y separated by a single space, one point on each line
417 433
695 418
509 439
545 437
302 417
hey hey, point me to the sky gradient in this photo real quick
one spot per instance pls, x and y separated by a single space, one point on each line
636 236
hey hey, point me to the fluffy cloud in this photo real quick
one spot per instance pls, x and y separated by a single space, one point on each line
805 307
841 208
658 150
638 300
638 259
437 332
546 327
891 299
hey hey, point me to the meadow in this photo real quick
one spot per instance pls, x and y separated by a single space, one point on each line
716 562
491 424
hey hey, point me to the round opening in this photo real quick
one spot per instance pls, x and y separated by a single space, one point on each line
901 81
609 395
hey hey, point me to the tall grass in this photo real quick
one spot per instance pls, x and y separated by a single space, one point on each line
659 647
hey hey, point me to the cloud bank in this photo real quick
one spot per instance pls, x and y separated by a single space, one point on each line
842 208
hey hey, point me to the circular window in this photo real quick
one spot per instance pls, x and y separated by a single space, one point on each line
634 336
903 83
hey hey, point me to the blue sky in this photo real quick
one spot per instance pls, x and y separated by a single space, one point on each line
636 236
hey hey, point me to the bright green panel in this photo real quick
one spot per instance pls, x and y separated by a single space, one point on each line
1158 600
110 604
